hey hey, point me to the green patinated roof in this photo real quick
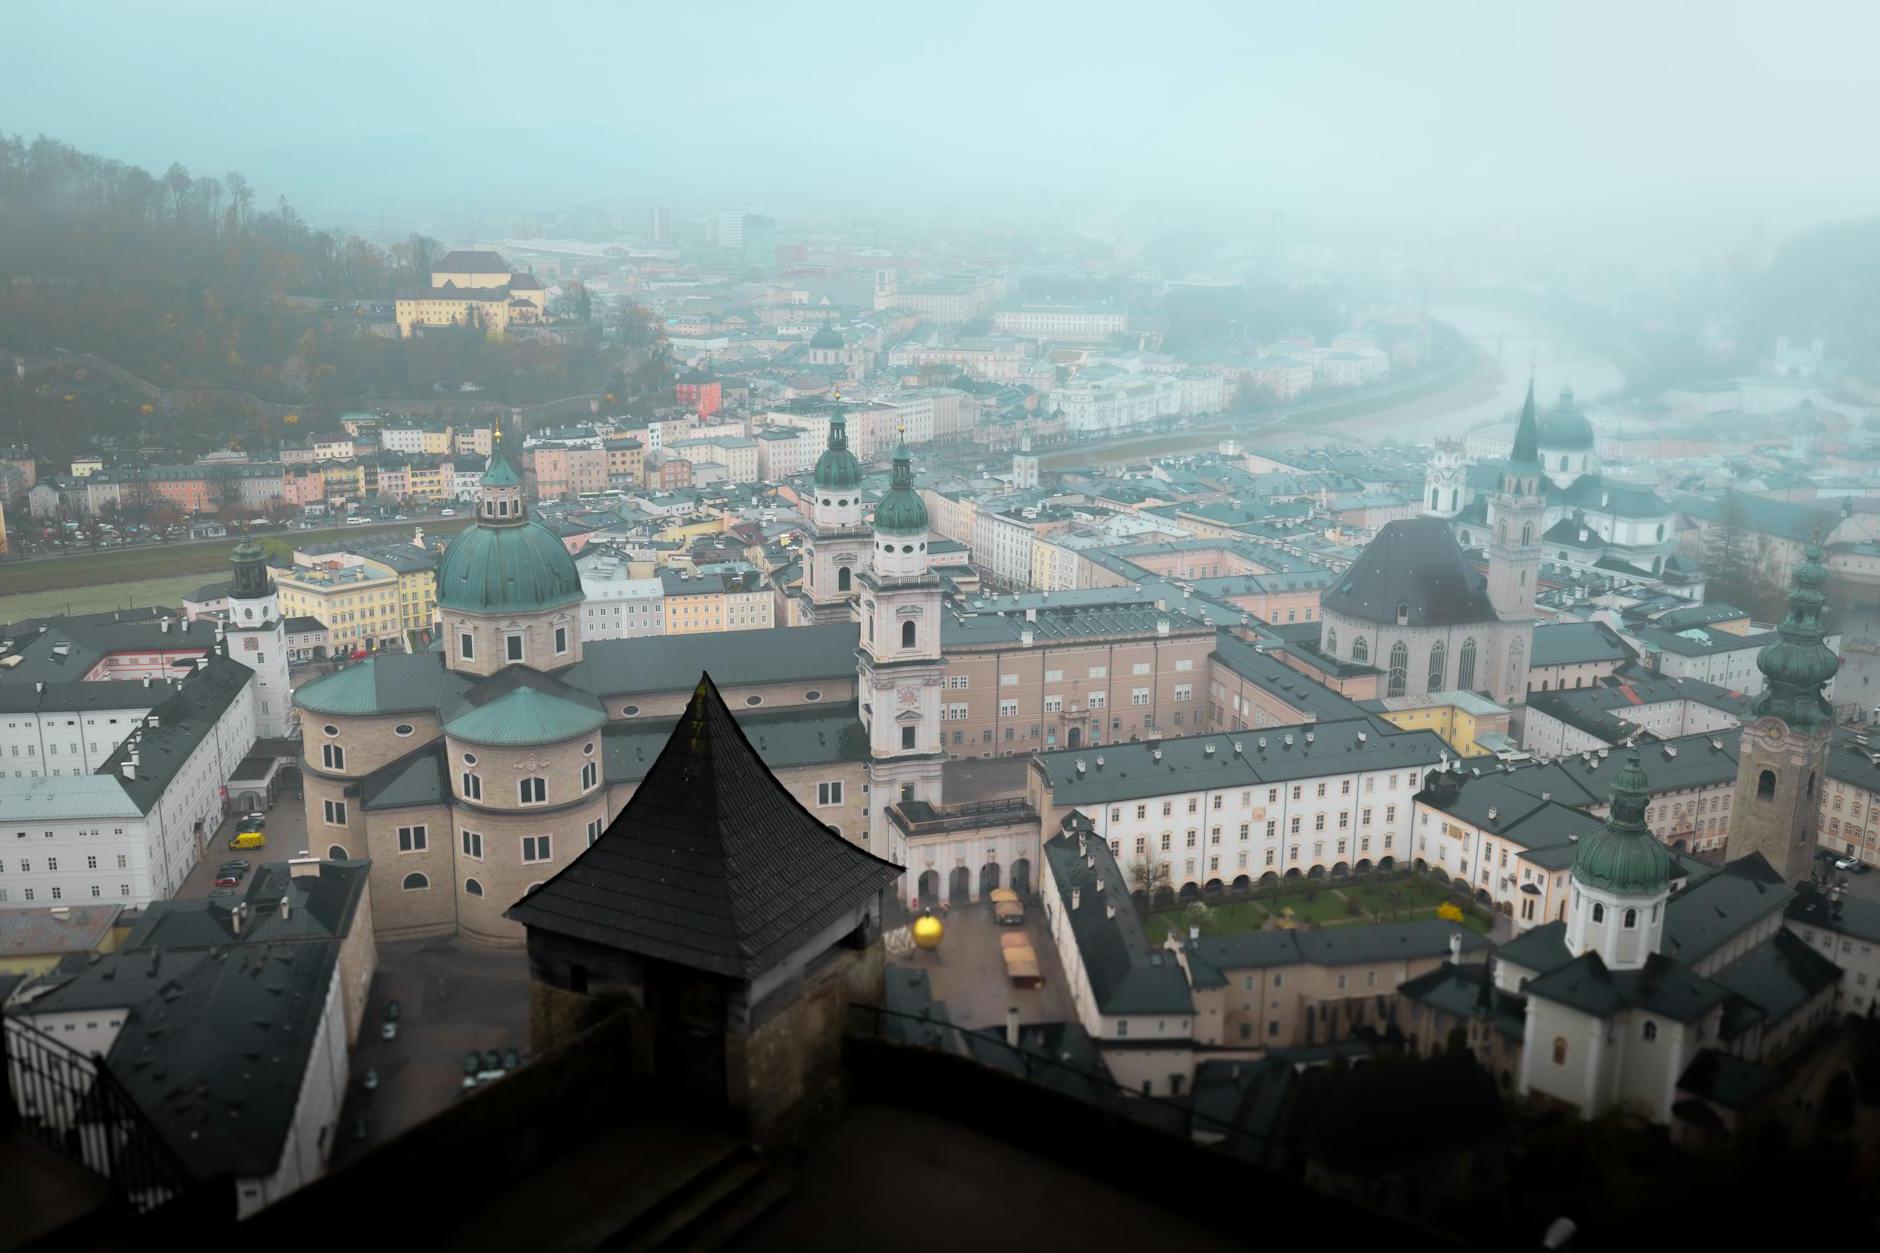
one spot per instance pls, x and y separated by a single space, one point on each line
386 684
1624 856
1799 664
837 467
522 716
901 511
494 569
501 471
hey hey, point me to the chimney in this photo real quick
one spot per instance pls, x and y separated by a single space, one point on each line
1077 897
287 906
129 768
1082 842
1099 883
1161 626
40 686
1011 1026
146 680
301 866
1026 636
1455 948
164 624
1109 909
237 916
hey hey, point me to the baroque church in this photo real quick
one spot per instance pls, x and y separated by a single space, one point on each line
473 773
1588 520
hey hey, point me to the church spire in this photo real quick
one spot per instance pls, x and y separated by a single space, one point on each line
1526 436
1799 664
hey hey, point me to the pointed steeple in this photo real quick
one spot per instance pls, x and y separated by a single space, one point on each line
1799 664
712 865
1526 435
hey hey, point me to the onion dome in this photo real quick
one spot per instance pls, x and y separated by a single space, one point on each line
837 467
1624 856
1564 428
1798 665
901 511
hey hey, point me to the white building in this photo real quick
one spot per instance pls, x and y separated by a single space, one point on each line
618 606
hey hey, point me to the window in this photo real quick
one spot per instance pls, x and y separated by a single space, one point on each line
907 736
907 635
472 786
1766 785
1631 919
534 848
1139 696
561 640
829 793
416 883
532 791
590 775
1465 665
332 756
466 646
1438 656
472 888
1650 1031
512 649
473 844
1399 670
335 812
1599 912
411 839
1560 1050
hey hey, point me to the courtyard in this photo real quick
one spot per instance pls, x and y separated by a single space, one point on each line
1344 902
967 971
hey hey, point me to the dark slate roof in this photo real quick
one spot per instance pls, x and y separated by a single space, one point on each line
183 721
1270 674
1245 1095
1728 1080
1125 975
1661 986
1414 562
788 738
1469 991
1540 949
712 864
418 778
1713 910
1779 976
1848 916
321 906
1570 643
652 663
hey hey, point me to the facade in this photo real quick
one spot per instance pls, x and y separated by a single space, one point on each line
472 289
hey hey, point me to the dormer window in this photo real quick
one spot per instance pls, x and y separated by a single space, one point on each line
1403 613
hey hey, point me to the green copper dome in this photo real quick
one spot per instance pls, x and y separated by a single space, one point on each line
507 569
523 717
837 467
1624 856
1798 665
901 511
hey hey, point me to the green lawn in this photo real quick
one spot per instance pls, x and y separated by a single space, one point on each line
1226 919
132 593
1400 899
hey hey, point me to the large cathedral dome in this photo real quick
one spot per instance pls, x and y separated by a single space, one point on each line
1564 428
507 569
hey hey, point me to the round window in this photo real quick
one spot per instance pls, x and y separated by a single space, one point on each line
469 759
812 694
403 728
588 749
907 548
629 711
329 730
843 502
753 700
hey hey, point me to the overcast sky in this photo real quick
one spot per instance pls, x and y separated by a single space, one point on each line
1431 109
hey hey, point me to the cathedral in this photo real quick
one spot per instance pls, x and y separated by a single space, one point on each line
472 774
1588 520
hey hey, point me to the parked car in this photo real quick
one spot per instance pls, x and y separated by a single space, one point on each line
235 864
227 878
390 1030
1846 863
448 513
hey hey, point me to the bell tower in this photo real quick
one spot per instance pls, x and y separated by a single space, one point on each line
900 666
836 544
1442 480
1781 763
258 639
1516 517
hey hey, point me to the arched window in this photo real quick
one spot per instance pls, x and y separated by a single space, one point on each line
1360 651
1433 495
1766 785
1399 669
1599 912
1403 613
472 888
416 883
335 853
907 635
1631 919
842 578
1527 534
1438 656
1560 1050
1331 643
1465 665
532 790
1650 1031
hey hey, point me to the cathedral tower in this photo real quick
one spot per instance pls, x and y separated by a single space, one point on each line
1516 518
837 545
258 639
1442 480
1782 761
900 666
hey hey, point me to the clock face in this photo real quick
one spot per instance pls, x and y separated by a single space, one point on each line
910 696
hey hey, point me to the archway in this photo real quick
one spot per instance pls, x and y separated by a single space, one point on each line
335 853
1242 883
1213 887
1482 897
1074 737
960 885
930 887
1317 872
1021 876
1268 879
1164 896
1293 873
1190 891
1460 884
1363 866
988 878
1420 865
1386 864
1340 870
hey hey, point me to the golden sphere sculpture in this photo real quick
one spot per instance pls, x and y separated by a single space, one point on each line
927 932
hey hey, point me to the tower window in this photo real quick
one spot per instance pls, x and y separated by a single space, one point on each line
907 635
512 645
907 737
532 791
1403 613
466 646
1599 912
561 640
1650 1031
1631 919
1766 785
843 578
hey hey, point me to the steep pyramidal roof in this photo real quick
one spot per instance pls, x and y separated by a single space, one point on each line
712 864
1415 564
1526 438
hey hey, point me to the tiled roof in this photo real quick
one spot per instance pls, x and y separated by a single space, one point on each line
1415 564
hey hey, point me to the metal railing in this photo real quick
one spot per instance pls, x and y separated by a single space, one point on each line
73 1105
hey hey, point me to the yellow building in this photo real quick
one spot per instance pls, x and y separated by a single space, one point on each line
430 483
34 941
472 288
358 599
344 479
685 530
1472 725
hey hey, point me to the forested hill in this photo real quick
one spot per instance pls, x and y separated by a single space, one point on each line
187 283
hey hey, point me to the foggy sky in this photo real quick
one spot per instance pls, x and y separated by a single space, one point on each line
1546 112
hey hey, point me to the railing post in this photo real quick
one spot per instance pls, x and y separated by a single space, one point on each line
9 1103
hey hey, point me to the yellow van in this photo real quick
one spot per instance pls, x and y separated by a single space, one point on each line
249 839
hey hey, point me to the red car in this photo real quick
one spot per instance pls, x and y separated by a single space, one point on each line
227 879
